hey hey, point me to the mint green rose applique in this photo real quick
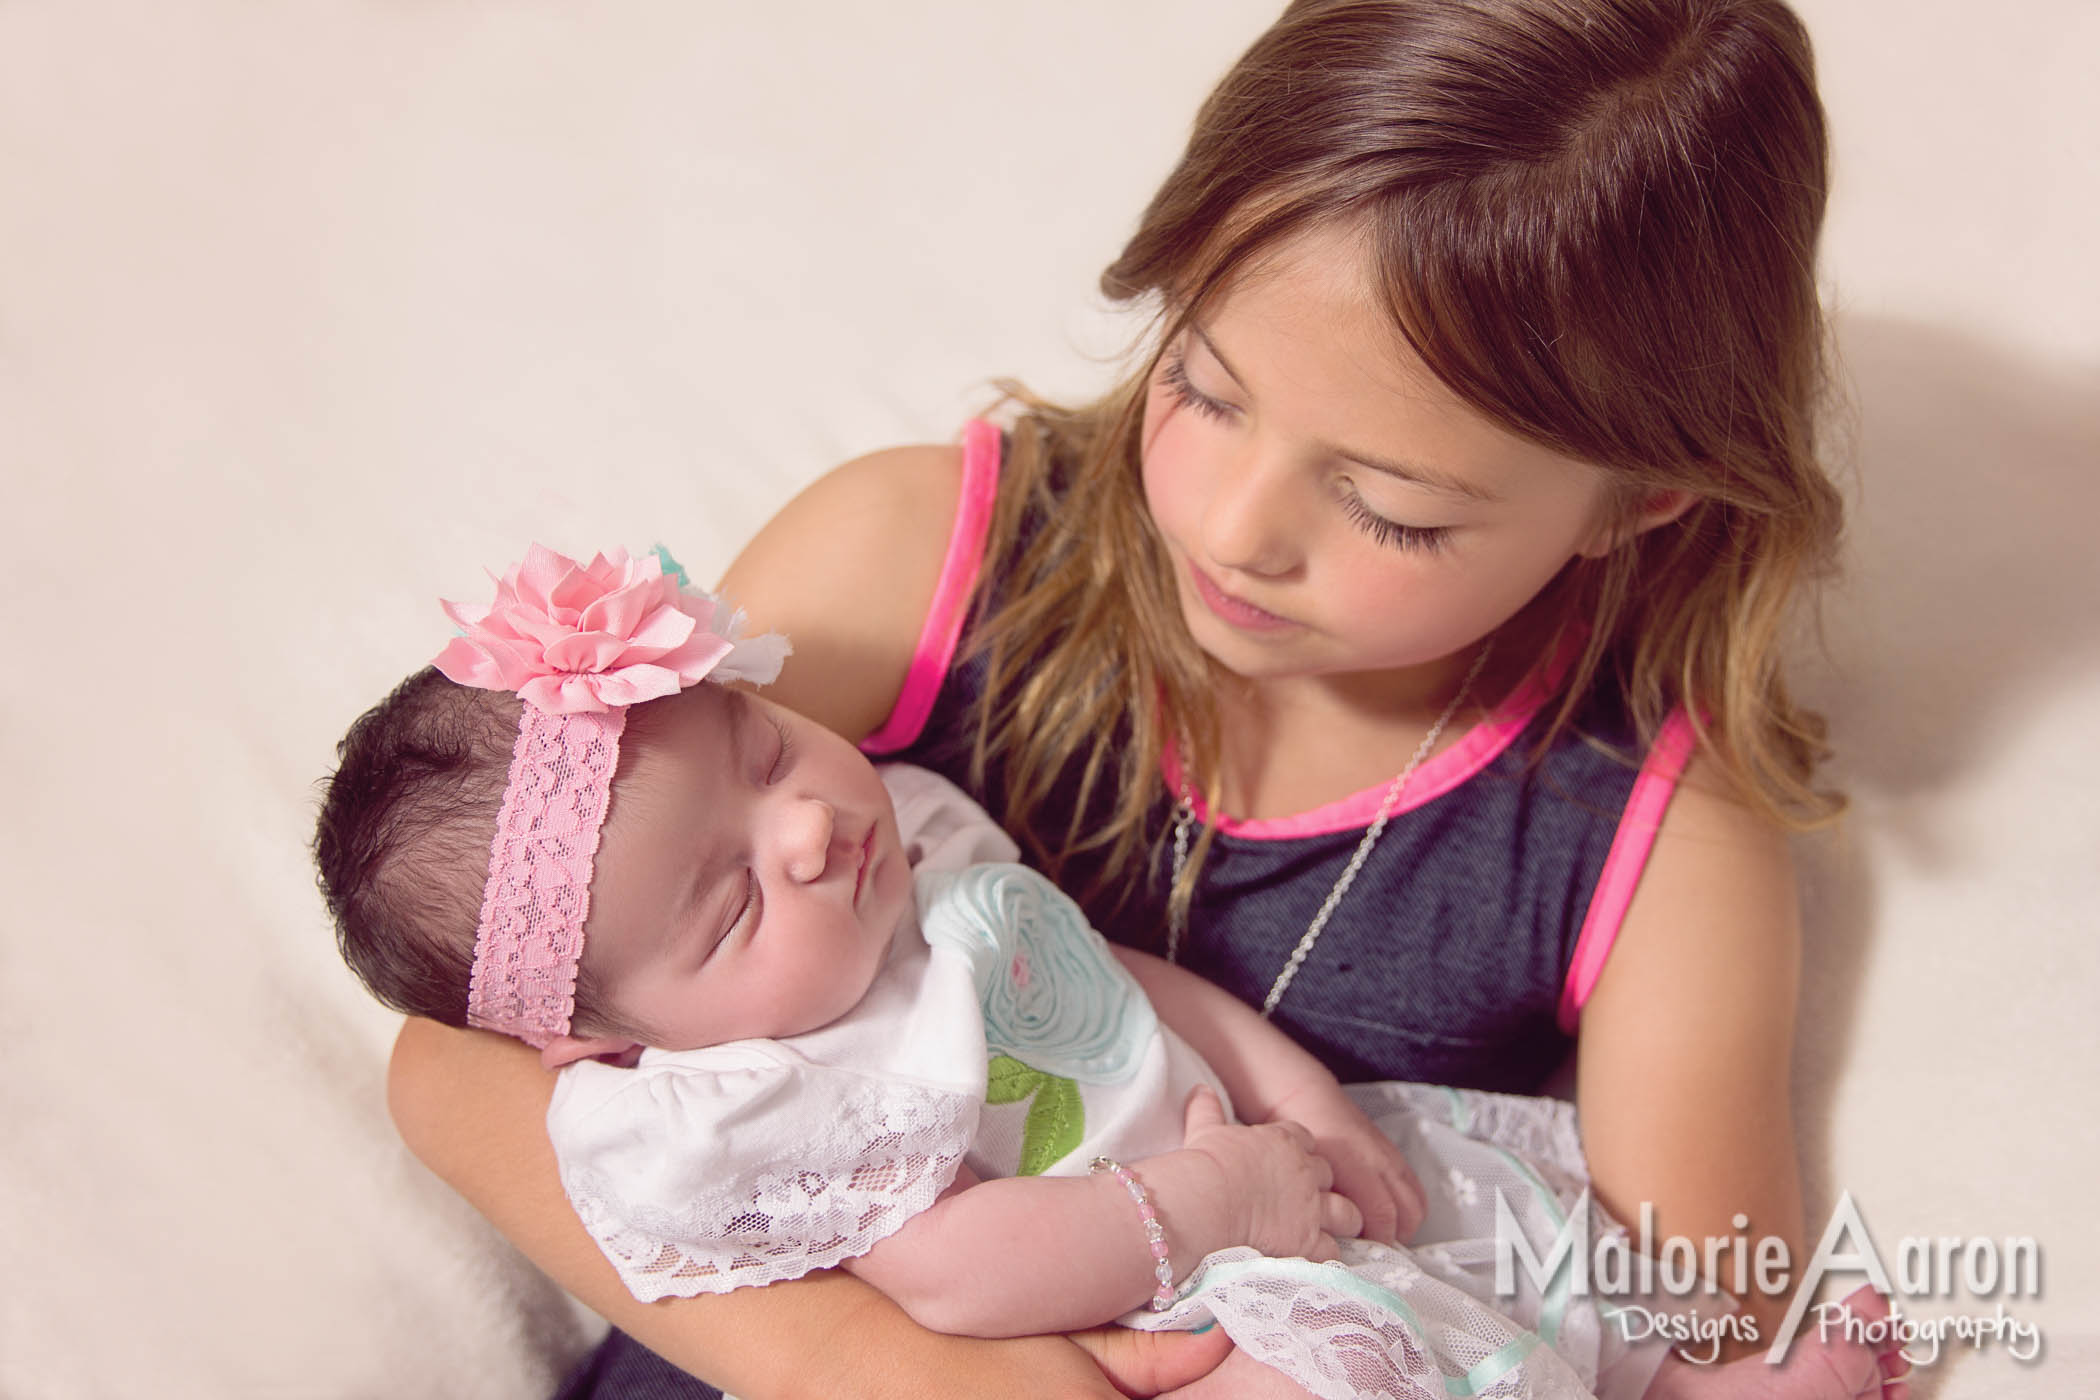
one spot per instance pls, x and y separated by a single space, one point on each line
1054 997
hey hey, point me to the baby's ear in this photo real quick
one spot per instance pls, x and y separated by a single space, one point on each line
568 1049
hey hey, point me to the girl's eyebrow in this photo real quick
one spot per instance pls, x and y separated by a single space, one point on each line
1414 473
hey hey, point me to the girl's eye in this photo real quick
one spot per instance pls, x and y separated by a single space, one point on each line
1391 533
781 756
1174 375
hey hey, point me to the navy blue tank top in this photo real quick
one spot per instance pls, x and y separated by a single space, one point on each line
1461 953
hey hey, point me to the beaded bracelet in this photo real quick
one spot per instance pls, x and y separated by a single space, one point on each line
1155 1234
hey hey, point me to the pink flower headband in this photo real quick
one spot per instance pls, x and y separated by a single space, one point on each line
579 643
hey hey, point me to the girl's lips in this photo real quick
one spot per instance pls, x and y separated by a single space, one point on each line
1236 611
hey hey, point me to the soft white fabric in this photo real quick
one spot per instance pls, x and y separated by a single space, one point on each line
310 311
941 828
756 1161
751 1167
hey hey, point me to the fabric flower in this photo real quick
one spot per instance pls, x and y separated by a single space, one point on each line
574 638
1078 1014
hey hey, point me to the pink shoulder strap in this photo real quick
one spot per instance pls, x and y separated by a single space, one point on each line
951 595
1628 857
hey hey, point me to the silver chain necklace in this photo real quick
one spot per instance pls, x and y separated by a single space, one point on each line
1185 816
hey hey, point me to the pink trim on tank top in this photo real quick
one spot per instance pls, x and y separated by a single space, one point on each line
1475 750
951 595
1643 817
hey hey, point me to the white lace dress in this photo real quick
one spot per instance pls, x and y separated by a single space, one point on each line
1000 1031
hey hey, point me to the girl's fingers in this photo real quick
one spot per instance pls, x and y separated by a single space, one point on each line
1324 1248
1201 1111
1339 1218
1409 1206
1382 1219
1151 1363
1414 1205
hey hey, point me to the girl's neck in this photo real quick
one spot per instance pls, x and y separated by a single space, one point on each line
1288 746
1291 744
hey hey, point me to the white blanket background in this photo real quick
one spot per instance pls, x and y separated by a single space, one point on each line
310 309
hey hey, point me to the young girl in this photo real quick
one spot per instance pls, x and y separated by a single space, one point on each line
1483 329
721 879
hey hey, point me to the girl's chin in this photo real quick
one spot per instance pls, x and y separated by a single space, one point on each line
1308 662
1254 656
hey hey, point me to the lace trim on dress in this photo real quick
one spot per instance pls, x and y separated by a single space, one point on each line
885 1155
1372 1324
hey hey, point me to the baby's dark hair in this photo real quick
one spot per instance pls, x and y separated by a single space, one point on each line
402 843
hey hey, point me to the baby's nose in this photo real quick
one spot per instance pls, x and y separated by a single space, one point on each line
807 841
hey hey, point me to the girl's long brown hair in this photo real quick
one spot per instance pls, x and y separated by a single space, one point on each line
1595 220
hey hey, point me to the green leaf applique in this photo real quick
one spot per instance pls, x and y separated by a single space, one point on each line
1056 1119
1056 1123
1007 1080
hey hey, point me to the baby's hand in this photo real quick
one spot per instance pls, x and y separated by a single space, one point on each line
1275 1185
1368 1169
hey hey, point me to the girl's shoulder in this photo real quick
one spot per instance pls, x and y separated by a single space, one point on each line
1684 1067
848 570
1708 955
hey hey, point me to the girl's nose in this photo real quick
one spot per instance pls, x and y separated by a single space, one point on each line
1248 518
806 836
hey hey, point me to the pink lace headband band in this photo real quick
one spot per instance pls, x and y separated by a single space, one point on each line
578 644
530 938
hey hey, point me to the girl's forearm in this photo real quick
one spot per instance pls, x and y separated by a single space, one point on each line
1023 1255
1258 1064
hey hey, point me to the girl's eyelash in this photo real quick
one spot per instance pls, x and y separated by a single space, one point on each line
1391 533
780 759
1174 374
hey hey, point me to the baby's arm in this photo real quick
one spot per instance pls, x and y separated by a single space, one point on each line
1271 1078
473 1107
1022 1255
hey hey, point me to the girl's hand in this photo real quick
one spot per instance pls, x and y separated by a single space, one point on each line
1368 1169
1275 1186
1153 1363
